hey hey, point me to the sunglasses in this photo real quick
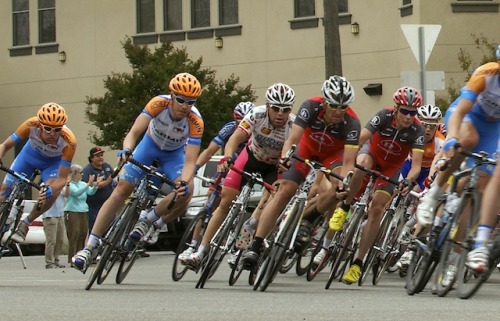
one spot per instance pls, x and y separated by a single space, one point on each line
49 129
282 109
336 107
406 112
429 125
183 101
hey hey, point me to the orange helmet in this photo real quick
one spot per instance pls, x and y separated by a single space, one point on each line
185 84
52 114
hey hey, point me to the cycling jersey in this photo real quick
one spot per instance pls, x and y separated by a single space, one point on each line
225 133
483 88
170 134
432 148
391 145
267 141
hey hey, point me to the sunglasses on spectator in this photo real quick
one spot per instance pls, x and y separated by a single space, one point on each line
49 129
284 110
336 107
429 125
183 101
407 112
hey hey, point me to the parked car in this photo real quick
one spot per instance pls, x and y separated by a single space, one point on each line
171 233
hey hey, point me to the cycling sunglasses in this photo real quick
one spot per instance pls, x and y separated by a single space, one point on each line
183 101
336 107
49 129
429 125
407 112
277 109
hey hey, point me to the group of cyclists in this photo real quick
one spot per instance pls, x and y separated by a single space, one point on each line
402 142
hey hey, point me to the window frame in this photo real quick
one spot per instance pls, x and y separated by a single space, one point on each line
51 36
166 18
15 25
297 5
140 17
195 8
230 9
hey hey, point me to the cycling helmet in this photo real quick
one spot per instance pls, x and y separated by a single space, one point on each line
407 96
429 112
52 114
242 109
185 84
337 91
498 52
280 94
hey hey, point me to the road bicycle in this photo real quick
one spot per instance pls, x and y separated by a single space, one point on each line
116 244
345 244
12 208
196 229
433 249
225 237
282 240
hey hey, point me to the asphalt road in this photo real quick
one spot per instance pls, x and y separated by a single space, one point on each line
148 293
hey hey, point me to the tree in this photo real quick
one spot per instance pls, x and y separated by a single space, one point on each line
468 66
127 93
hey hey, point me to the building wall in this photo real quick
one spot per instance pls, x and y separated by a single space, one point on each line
267 51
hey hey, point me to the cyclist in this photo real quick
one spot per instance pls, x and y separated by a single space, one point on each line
50 148
219 141
174 128
475 126
326 129
386 141
266 128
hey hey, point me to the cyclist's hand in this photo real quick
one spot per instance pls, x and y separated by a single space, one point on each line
342 191
224 164
284 165
124 154
45 195
405 186
181 188
450 145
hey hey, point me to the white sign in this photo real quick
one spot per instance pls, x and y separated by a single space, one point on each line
434 79
430 33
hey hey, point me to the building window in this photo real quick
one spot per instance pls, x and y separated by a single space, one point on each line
46 21
172 15
145 16
406 2
200 13
304 8
228 12
342 6
20 22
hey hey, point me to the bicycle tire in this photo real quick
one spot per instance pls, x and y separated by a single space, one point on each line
126 263
114 256
306 256
111 244
4 212
313 269
345 249
179 270
289 262
236 270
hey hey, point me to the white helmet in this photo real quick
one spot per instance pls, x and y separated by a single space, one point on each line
242 109
280 94
429 112
337 91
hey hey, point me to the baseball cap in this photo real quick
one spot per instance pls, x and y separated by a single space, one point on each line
95 150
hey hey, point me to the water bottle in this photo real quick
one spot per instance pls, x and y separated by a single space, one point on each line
450 207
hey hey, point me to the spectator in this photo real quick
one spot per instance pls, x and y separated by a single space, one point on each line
99 168
76 209
53 227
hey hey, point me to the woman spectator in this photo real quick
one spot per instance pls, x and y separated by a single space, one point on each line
76 209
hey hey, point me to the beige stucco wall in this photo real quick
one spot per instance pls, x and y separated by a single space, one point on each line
90 32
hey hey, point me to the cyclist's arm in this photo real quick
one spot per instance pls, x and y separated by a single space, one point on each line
191 153
349 160
60 181
294 138
416 165
236 139
8 144
364 136
206 154
140 125
464 106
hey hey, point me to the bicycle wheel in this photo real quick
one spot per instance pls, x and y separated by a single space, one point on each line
313 269
4 214
393 249
289 262
347 245
306 256
126 263
420 269
373 256
236 269
111 243
179 270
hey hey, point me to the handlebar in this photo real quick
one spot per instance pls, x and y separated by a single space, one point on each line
255 177
376 174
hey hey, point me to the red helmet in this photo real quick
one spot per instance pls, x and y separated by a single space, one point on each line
407 96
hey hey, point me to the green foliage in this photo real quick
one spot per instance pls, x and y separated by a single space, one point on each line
468 65
127 93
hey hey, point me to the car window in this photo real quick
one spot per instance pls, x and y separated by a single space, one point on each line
210 170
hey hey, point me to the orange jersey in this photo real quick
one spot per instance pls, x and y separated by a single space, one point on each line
65 146
432 148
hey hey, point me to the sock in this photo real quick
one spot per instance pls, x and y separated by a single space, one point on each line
27 220
257 245
152 216
159 223
326 242
358 262
252 222
202 249
314 215
482 235
92 242
345 207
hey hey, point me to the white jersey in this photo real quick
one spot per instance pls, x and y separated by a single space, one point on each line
265 141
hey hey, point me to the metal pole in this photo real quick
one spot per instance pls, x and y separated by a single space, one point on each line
421 46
